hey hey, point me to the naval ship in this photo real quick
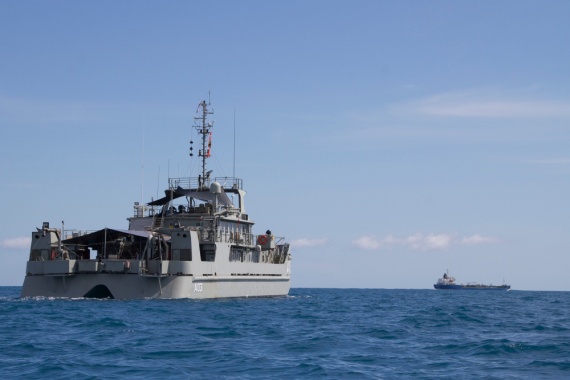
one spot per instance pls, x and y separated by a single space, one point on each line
192 243
447 282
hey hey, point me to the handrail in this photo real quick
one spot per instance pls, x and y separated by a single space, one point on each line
187 183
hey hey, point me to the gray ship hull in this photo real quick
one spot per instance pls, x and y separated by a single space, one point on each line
226 271
121 286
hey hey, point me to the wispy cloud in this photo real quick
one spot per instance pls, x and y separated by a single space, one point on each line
493 115
74 112
16 243
370 242
22 110
430 242
421 242
478 239
486 104
306 242
550 161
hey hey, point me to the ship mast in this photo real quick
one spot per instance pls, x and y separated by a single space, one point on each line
203 126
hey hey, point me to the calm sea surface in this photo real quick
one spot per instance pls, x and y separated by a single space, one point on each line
313 333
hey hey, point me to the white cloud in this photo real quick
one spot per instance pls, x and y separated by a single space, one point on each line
367 242
478 239
420 242
16 243
306 242
370 242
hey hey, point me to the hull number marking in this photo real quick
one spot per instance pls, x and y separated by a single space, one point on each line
198 287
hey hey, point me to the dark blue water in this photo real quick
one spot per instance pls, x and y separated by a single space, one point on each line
313 333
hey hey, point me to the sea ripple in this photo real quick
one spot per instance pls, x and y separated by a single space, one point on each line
313 333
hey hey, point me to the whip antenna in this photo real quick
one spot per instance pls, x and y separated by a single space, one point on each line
234 172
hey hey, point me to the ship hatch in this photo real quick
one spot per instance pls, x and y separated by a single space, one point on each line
99 291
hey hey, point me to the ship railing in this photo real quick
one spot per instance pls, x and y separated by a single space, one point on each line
228 183
143 210
234 237
225 236
70 252
68 234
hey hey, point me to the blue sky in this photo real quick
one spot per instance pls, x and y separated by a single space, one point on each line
388 141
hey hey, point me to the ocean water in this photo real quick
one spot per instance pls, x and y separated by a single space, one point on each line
313 333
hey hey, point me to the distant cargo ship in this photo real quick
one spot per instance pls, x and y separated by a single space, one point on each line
448 282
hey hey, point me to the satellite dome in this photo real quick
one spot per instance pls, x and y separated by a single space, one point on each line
215 188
